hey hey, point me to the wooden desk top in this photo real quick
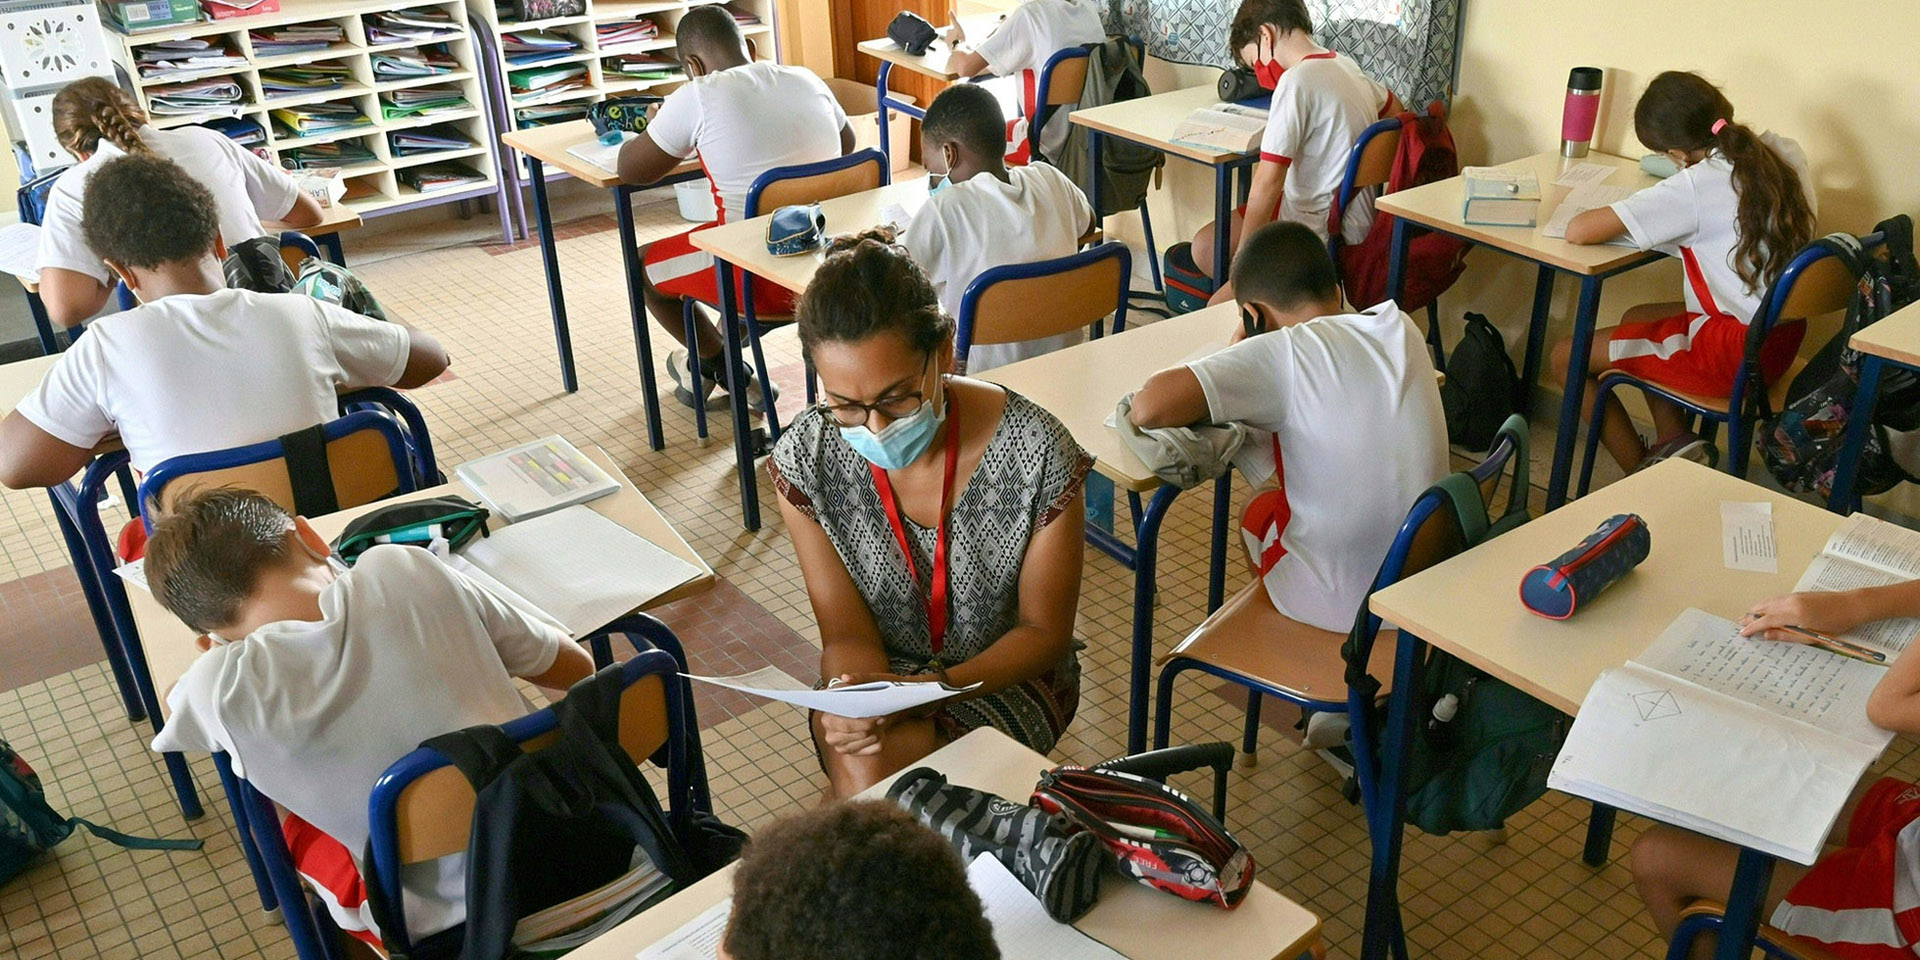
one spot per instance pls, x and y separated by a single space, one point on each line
1082 383
19 378
1896 338
333 219
1151 120
933 63
549 145
1143 924
744 243
169 644
1439 205
1469 606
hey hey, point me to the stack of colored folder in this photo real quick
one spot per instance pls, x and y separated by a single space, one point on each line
245 132
612 36
195 96
438 138
533 84
341 153
547 114
169 59
419 24
536 46
423 62
434 177
641 66
296 38
422 101
314 119
288 81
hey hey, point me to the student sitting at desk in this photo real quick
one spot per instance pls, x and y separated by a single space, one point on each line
96 121
985 214
741 118
860 879
197 367
316 678
1736 214
1858 900
1352 402
1321 103
1016 51
937 520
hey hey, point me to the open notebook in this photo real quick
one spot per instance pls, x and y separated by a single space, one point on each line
1867 552
1750 741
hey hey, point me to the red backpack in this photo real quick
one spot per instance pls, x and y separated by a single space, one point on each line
1434 260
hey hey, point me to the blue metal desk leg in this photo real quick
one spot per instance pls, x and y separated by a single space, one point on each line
1222 224
1217 572
97 606
1094 148
1599 836
1576 386
1536 336
238 802
1847 471
1744 901
880 95
42 325
1144 557
330 244
1397 260
743 440
550 259
637 307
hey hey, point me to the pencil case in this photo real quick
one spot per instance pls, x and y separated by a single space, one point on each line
1157 834
417 522
1051 857
796 229
626 114
1559 587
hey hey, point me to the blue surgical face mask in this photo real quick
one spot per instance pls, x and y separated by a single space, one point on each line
900 442
946 180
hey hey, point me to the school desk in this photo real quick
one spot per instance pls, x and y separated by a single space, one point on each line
742 245
334 218
933 64
1894 340
1438 206
1150 121
1141 924
548 145
1469 606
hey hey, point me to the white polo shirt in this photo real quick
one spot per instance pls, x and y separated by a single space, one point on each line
1354 402
984 222
1697 209
1318 111
245 188
1023 43
197 373
746 120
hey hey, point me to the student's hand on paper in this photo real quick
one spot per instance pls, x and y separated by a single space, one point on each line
853 736
853 679
1826 612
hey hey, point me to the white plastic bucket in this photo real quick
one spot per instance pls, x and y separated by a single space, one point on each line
695 198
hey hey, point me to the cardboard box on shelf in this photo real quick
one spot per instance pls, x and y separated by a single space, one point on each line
139 15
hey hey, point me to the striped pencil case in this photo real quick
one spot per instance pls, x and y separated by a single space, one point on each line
1060 864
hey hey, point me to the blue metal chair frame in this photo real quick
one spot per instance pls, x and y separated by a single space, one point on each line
171 469
1345 195
426 469
970 300
1693 925
383 873
1742 409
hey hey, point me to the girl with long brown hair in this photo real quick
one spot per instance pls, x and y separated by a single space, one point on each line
97 121
1735 214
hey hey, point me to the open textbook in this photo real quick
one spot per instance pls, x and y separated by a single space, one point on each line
1227 127
1750 741
1868 552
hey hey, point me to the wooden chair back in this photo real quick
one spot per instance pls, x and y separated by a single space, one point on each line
361 463
780 191
1049 303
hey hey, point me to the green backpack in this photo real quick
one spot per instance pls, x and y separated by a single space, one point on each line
1491 758
29 826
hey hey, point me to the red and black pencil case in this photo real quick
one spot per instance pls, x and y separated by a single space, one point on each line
1560 587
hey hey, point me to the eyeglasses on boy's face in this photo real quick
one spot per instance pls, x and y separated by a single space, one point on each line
893 406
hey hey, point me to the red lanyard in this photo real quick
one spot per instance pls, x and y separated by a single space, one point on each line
937 592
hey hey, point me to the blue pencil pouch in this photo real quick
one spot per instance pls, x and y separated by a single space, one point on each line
1561 586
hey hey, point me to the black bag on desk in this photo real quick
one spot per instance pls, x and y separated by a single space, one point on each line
912 32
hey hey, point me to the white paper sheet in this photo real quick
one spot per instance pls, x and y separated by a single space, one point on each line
603 155
1586 171
19 250
698 940
580 568
1021 928
135 573
1746 536
1828 572
877 699
1587 196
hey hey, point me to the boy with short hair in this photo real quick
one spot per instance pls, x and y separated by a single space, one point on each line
987 214
1018 50
198 366
1352 401
316 678
861 880
1321 104
741 118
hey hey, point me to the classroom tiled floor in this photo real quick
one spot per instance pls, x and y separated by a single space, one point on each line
1465 896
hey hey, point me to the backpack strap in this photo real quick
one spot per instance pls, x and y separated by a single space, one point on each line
479 752
1852 254
309 472
1898 245
593 706
130 841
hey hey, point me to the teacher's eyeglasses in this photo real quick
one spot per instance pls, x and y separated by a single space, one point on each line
893 407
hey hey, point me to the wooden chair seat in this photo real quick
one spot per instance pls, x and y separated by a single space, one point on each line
1249 637
1779 939
1776 391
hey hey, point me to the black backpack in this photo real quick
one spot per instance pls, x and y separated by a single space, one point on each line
1800 445
562 821
1482 389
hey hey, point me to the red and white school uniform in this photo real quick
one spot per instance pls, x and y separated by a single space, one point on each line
1019 48
1862 901
1318 111
741 122
1693 215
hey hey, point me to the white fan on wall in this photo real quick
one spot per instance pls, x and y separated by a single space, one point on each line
43 46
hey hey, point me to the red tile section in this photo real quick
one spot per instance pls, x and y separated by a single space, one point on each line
586 226
49 629
725 633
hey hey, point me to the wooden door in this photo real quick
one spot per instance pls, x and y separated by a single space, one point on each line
856 21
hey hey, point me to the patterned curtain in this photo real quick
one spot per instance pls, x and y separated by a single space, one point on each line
1409 45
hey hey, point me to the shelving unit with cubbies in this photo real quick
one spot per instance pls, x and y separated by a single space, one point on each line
389 144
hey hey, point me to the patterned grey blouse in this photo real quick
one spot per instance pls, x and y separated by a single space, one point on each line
1031 469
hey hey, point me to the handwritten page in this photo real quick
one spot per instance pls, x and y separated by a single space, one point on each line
877 699
1021 928
1584 172
1746 536
1877 543
1227 127
1828 572
1805 683
19 250
699 939
1587 196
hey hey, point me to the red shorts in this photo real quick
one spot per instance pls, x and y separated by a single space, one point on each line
1861 900
677 268
329 870
1699 354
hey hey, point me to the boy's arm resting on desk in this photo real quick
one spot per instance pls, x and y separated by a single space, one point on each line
426 359
1171 398
667 141
530 647
1263 196
32 457
1598 225
71 296
304 213
642 161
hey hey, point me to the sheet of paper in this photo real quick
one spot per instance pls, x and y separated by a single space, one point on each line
1746 536
582 569
1227 127
1805 683
1587 196
877 699
1828 572
1021 928
19 250
1664 748
1586 171
1877 543
135 573
698 940
606 156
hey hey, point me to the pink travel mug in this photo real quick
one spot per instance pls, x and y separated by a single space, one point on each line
1581 111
